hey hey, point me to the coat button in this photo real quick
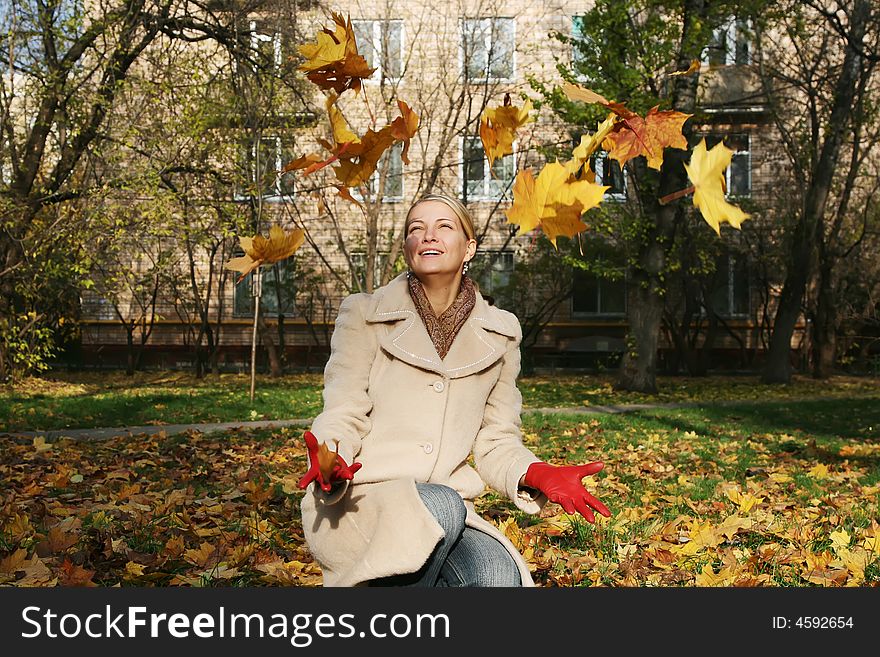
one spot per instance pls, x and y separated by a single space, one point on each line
438 386
428 448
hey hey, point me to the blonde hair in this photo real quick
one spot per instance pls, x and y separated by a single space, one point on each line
464 216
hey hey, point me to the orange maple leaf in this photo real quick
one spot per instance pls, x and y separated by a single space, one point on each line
333 62
73 575
404 128
554 201
649 136
498 126
327 460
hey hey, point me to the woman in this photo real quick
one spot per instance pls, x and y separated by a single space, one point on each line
422 376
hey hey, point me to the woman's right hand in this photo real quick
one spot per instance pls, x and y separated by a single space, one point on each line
341 470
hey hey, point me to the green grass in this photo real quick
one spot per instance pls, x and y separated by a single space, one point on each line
72 401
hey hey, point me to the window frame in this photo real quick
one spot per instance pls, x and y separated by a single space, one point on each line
289 265
600 313
600 157
732 29
281 156
485 194
273 37
378 35
500 254
732 260
487 44
372 183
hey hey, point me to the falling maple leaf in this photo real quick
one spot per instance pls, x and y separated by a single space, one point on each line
259 250
498 126
589 144
576 92
358 157
660 129
554 201
363 157
404 128
633 135
706 172
695 66
333 61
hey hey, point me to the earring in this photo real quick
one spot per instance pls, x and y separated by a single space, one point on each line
464 269
409 274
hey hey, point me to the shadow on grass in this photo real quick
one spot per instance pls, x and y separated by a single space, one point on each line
853 419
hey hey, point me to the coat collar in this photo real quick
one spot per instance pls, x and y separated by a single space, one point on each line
480 342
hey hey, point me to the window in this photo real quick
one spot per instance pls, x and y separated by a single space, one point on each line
481 181
278 291
266 45
263 163
729 44
581 44
488 49
381 44
730 290
608 172
738 176
596 295
359 269
394 177
95 306
491 270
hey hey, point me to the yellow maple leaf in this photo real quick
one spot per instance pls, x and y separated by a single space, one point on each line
333 61
259 250
693 68
819 471
708 577
839 540
553 201
706 172
342 133
498 126
589 144
133 569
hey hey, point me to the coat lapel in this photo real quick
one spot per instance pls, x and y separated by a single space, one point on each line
480 342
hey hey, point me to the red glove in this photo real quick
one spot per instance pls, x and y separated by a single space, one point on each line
341 470
562 484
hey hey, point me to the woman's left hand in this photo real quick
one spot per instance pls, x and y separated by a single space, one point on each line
562 484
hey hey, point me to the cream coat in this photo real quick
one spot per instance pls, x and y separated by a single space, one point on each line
407 416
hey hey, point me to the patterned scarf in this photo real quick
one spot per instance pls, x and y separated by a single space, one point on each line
443 329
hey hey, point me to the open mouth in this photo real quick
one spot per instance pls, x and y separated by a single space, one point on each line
431 252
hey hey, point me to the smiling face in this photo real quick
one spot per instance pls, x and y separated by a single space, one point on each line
436 242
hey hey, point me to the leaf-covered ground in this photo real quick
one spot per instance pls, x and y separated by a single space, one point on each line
111 399
782 494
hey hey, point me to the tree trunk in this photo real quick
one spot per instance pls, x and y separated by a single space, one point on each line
646 287
778 366
268 339
638 369
825 326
